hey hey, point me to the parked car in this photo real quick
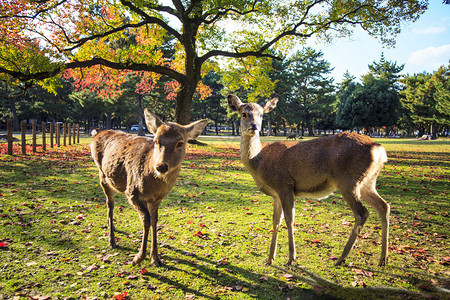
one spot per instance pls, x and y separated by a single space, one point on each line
136 128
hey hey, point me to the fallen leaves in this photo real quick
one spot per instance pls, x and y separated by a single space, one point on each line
362 272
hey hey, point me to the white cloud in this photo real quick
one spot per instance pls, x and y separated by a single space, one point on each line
429 30
431 58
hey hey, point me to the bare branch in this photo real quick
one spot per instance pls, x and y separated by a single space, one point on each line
225 12
154 20
213 53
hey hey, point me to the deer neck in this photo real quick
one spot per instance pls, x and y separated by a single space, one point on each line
251 150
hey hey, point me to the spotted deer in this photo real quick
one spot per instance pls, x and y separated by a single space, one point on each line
348 162
143 169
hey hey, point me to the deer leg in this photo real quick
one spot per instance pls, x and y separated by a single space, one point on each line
287 201
277 217
109 193
153 210
371 196
145 218
361 214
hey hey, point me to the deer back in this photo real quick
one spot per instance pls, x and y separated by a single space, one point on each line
315 168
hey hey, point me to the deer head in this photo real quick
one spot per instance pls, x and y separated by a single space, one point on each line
251 113
170 141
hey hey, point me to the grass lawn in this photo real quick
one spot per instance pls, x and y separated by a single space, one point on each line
215 230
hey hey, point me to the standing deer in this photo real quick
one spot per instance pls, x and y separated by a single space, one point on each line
143 169
349 162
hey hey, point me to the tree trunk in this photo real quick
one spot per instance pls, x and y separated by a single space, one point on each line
108 120
12 106
269 125
184 103
139 111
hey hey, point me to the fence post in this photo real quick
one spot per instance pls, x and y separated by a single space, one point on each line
51 133
9 136
58 135
78 133
33 124
74 133
23 130
64 134
69 133
44 141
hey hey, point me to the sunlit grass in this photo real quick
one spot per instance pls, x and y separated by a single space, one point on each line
215 230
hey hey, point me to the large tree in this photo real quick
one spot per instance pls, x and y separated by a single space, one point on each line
41 38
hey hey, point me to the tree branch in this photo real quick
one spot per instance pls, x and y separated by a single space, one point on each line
127 66
154 20
22 76
37 13
226 11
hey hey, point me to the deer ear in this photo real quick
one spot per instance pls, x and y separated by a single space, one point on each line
152 121
194 129
270 105
234 102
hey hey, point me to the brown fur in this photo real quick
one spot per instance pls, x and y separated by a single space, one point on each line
349 162
143 169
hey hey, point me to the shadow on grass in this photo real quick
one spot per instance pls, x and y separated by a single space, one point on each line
231 278
426 289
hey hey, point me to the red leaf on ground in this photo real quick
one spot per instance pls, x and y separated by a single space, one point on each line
122 296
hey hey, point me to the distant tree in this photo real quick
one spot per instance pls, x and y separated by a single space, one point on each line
426 98
350 105
371 104
387 70
211 107
9 97
88 106
310 95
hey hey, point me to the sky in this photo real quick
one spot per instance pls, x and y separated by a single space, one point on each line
422 46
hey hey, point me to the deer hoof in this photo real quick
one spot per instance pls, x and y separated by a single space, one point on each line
382 262
339 262
157 263
138 259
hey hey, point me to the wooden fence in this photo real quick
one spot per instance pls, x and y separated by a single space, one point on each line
70 134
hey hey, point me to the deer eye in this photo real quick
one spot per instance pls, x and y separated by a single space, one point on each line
180 145
244 115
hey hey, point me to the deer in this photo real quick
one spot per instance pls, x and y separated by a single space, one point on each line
143 169
348 162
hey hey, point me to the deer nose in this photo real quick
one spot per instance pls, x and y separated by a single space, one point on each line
162 168
254 127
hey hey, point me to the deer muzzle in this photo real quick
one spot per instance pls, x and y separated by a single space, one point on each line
162 168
